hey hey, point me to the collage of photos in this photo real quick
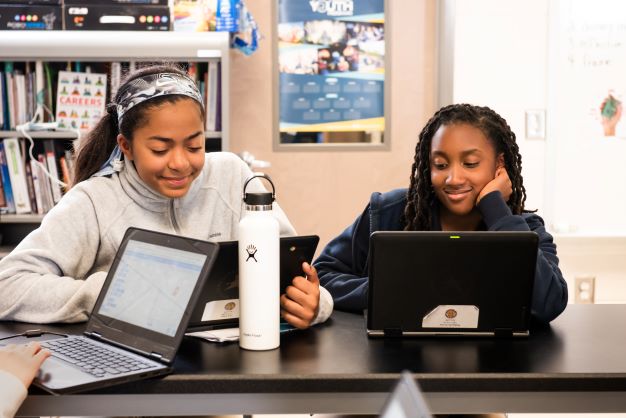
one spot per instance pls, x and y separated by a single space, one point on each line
331 46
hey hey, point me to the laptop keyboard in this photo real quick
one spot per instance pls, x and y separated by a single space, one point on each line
92 358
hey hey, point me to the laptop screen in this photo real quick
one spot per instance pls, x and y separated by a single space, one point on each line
436 282
152 286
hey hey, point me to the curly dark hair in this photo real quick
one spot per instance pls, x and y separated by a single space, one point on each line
420 197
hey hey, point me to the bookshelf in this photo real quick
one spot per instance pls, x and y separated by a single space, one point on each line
108 46
93 46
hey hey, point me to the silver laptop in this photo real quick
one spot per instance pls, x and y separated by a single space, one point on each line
451 283
406 400
139 318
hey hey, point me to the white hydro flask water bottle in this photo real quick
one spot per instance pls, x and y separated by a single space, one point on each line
259 279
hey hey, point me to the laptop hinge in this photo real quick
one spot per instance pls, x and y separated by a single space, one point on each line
157 356
93 334
392 332
503 332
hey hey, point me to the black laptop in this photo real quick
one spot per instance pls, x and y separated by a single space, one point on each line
139 318
451 283
218 305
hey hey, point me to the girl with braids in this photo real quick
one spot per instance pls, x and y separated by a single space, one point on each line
466 176
143 165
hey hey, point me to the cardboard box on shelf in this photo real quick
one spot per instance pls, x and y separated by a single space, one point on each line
30 17
117 17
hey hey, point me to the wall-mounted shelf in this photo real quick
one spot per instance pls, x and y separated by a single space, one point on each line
113 45
73 135
28 218
40 134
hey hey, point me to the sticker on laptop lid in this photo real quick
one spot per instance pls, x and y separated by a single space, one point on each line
221 309
452 316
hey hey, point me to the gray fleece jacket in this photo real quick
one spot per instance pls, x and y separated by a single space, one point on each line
57 271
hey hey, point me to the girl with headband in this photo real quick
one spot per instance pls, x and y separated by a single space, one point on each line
143 165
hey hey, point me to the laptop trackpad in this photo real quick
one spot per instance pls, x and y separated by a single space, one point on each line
56 374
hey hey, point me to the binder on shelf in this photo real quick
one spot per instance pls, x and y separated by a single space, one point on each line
17 175
30 92
21 112
69 160
51 161
46 190
3 202
36 173
2 100
218 99
10 95
211 96
65 172
40 92
31 188
48 95
6 181
116 79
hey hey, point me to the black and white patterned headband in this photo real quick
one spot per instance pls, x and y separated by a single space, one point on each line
154 85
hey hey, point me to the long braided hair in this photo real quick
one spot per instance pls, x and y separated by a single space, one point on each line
420 196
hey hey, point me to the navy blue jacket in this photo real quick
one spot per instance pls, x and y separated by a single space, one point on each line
343 265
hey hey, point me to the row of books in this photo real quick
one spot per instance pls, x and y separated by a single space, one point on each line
76 99
25 187
19 88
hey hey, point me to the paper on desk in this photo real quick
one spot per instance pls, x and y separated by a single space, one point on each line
231 334
217 335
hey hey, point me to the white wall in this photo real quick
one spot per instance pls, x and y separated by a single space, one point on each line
587 60
501 60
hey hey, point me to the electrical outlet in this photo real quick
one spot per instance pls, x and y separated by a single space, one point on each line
585 289
536 124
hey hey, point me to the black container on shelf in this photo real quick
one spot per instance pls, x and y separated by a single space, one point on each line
115 2
30 2
117 17
30 17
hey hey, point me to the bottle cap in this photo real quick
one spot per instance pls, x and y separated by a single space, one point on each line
258 198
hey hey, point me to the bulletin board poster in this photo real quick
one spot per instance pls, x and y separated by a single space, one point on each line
331 59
